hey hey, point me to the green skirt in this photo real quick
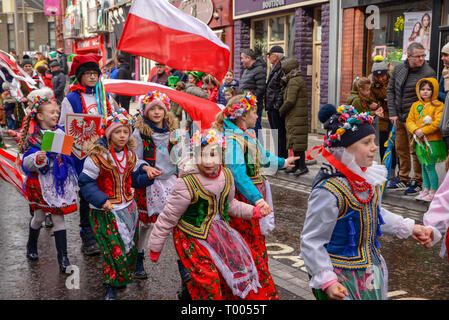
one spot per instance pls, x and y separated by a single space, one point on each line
431 155
118 266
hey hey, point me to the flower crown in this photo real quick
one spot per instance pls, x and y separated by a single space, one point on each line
209 137
120 115
151 96
238 109
349 119
37 101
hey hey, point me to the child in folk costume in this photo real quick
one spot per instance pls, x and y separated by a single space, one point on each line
220 262
245 157
51 184
152 134
109 172
339 242
423 121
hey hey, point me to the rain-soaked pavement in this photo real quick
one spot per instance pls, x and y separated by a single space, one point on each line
413 271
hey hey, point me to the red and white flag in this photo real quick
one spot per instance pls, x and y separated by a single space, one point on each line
201 111
157 30
10 170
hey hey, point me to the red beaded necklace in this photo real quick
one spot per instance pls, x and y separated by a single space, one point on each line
252 135
211 176
355 186
118 162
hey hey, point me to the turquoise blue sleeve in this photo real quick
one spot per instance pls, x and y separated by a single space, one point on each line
269 159
235 161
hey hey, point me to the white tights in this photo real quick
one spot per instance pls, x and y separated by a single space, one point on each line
39 217
144 232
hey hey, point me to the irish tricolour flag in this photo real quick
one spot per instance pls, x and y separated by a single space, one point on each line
57 142
157 30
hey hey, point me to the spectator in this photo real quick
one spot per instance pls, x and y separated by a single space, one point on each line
274 96
40 60
378 90
58 81
182 76
229 93
212 87
44 76
360 97
444 80
175 108
294 110
161 76
124 73
228 82
9 103
195 78
62 59
401 93
253 79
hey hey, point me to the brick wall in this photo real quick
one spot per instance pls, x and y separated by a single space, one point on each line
352 49
241 41
324 74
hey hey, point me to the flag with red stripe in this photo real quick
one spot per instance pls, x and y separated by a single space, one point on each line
157 30
10 171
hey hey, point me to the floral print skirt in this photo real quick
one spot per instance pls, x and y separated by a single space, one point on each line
33 192
141 201
118 266
207 282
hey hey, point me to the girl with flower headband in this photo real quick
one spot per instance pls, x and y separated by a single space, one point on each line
339 241
51 184
154 132
245 157
220 262
110 171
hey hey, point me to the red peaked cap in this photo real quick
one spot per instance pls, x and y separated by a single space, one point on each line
82 59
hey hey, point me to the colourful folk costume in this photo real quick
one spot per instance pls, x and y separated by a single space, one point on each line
339 241
220 262
110 174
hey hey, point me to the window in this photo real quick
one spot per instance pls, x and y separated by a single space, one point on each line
52 35
11 42
31 42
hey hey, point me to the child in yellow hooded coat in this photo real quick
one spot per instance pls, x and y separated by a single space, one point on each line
423 121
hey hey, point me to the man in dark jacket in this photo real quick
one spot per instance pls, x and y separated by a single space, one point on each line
274 98
123 73
161 76
58 81
401 94
253 79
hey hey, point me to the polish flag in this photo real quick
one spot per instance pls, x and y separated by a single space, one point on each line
201 111
157 30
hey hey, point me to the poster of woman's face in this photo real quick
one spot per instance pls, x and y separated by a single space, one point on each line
417 27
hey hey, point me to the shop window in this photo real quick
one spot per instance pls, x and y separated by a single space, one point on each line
52 35
11 44
395 32
31 43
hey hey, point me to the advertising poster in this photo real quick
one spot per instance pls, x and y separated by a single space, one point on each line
417 26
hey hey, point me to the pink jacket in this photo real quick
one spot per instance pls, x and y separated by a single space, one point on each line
180 199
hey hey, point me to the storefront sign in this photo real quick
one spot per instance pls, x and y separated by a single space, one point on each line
200 9
88 43
246 8
272 4
52 7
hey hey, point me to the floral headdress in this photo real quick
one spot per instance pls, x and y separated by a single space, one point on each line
116 119
209 137
37 101
238 109
347 118
154 96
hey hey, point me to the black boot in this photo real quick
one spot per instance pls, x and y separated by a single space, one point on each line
183 292
110 292
32 244
61 249
48 221
139 272
89 243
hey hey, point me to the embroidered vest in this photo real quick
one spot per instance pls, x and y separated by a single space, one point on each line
251 154
198 217
149 149
354 238
109 181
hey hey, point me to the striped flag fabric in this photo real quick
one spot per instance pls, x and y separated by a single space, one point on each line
157 30
57 142
10 170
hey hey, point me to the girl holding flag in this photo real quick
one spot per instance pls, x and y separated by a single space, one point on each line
51 184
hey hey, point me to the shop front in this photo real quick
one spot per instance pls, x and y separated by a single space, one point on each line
301 28
387 28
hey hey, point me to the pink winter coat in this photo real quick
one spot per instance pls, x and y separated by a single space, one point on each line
180 199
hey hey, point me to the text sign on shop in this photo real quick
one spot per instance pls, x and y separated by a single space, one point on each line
272 4
52 7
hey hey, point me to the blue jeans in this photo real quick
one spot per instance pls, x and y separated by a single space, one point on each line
11 123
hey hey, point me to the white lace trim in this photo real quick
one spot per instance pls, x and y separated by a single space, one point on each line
47 182
405 228
158 193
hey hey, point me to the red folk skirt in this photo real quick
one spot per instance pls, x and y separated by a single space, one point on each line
207 282
140 196
33 192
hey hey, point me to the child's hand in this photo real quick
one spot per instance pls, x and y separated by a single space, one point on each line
379 112
373 106
265 211
419 133
152 172
41 156
107 206
336 291
290 162
265 208
423 235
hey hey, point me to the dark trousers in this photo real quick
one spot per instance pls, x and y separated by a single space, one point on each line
259 121
84 212
278 122
301 162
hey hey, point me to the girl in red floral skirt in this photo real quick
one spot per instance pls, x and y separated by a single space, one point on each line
221 264
51 182
109 173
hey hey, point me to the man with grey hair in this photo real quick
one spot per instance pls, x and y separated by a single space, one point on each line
274 96
253 79
401 93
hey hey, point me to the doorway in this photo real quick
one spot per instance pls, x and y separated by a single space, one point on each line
316 69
